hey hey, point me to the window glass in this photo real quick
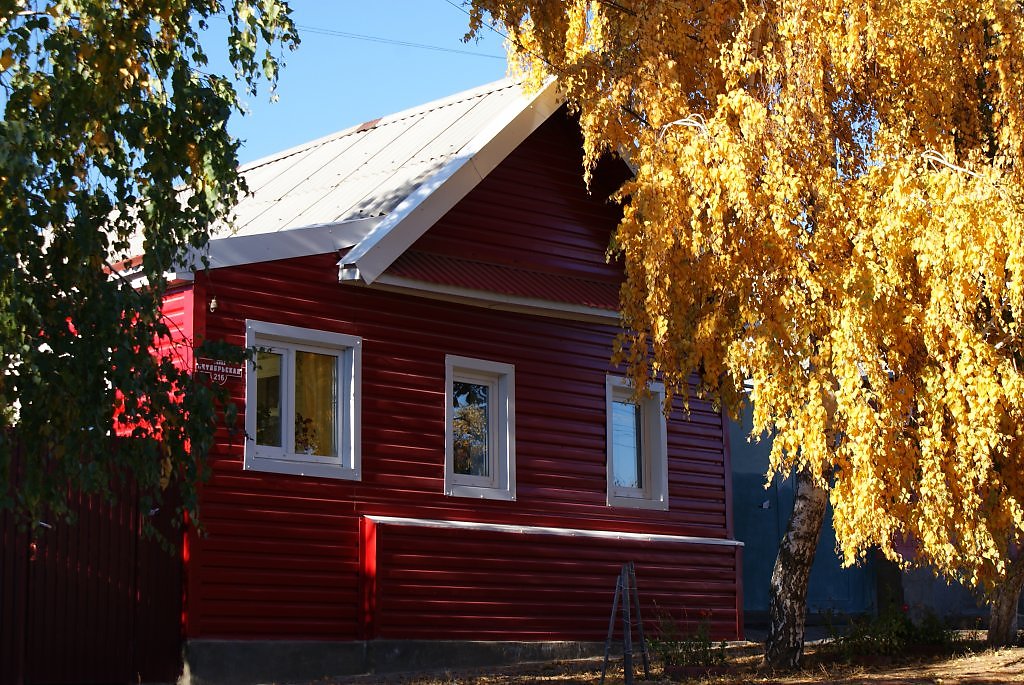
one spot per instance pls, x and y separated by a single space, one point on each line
302 401
471 429
627 450
637 444
268 398
316 404
479 441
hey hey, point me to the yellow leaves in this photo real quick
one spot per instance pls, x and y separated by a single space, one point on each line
577 45
41 95
798 237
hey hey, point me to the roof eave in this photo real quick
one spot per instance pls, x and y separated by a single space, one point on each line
265 247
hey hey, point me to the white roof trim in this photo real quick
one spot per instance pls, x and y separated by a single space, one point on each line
432 199
266 247
499 301
135 278
547 530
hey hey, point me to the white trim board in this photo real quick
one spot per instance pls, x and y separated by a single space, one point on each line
497 301
546 530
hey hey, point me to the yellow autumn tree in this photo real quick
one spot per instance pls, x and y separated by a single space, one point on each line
827 204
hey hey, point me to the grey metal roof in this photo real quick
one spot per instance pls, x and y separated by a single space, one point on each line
366 171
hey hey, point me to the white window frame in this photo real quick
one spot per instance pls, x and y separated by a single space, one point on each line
501 380
289 339
653 443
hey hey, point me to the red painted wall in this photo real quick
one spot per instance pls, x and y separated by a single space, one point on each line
534 212
282 557
179 315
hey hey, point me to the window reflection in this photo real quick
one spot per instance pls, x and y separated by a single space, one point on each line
471 429
627 462
268 398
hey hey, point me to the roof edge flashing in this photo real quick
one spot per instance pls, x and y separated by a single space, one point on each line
237 250
348 272
487 299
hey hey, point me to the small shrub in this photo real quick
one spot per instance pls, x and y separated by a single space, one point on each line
677 647
891 633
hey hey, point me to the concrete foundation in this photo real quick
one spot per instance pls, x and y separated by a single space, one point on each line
250 662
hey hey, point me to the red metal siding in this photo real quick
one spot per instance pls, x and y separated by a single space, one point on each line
480 585
89 602
14 568
79 588
178 312
294 558
464 273
95 601
282 555
533 212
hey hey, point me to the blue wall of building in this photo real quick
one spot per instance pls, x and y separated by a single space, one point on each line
760 517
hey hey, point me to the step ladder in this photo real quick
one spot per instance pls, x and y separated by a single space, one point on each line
626 596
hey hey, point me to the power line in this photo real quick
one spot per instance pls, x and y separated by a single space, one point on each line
392 41
558 71
505 36
486 23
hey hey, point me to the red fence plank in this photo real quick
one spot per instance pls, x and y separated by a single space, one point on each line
92 601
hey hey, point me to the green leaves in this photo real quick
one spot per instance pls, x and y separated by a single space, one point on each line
114 161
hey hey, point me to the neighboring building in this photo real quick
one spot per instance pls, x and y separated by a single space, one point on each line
435 444
761 514
834 594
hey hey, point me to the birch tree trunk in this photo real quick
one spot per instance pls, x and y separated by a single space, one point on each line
1002 622
788 603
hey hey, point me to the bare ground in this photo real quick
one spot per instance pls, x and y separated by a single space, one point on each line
982 667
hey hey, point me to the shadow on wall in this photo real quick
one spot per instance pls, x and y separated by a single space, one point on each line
925 594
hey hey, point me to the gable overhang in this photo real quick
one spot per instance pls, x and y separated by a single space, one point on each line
397 231
265 247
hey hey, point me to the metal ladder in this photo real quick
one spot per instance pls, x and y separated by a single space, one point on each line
625 590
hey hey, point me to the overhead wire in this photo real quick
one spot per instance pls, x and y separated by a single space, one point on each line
392 41
558 71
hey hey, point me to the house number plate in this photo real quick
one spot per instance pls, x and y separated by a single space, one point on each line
218 370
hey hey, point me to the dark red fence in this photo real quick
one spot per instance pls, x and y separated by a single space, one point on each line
91 602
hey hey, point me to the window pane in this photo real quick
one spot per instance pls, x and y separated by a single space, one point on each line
627 462
268 398
470 430
316 404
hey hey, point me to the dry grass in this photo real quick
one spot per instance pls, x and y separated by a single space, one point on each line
974 668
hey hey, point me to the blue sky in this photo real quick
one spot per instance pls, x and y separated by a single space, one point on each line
333 81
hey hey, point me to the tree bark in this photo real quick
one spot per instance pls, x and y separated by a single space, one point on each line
1002 622
787 608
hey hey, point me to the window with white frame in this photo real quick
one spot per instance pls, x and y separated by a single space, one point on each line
637 446
479 448
302 401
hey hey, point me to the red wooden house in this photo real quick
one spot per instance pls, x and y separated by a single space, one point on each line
436 446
